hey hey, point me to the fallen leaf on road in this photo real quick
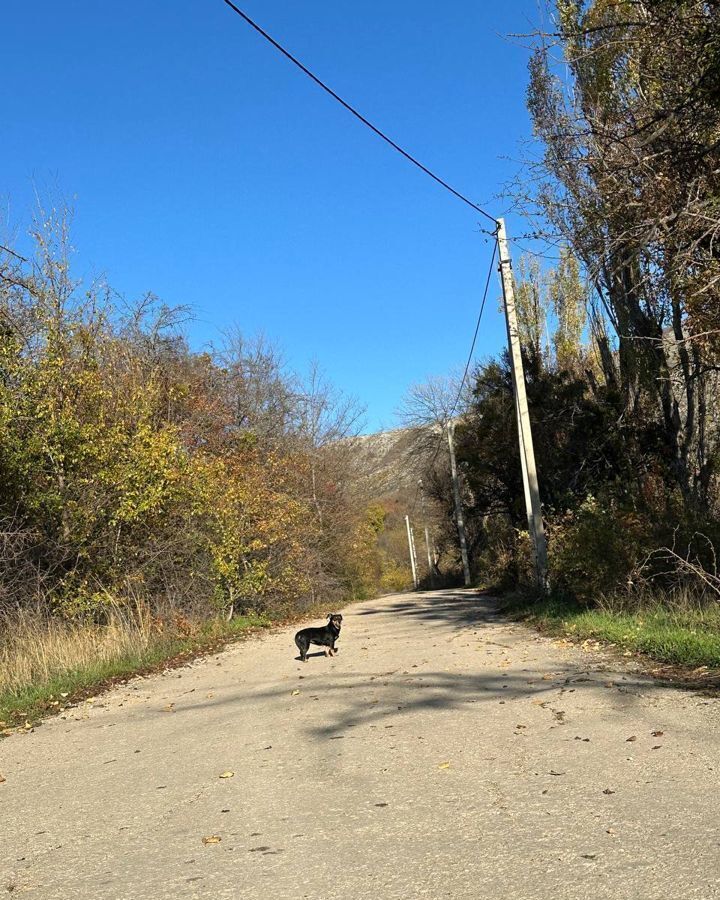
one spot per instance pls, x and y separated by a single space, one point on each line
444 765
588 855
657 733
2 779
212 839
553 772
608 791
611 831
226 775
294 693
657 747
169 708
633 737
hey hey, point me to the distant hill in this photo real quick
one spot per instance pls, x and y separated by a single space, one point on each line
388 464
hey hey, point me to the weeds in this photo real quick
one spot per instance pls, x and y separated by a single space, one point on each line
674 628
46 662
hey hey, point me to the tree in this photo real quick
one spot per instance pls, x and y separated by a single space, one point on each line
629 178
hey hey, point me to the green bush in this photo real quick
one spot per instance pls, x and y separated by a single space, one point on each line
593 550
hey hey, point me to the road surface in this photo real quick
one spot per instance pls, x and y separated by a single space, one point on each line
443 753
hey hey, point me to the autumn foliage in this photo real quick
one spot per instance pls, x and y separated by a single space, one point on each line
135 470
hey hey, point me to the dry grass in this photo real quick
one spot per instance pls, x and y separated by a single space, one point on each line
35 649
47 663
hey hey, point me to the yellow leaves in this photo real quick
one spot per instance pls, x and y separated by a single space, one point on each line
212 839
226 775
121 444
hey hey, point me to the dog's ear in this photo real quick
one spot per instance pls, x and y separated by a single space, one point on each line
329 615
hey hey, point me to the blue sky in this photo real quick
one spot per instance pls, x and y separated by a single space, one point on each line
207 169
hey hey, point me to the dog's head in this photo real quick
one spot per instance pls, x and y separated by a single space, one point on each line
335 620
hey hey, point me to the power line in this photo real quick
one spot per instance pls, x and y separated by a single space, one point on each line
415 162
351 109
465 373
477 329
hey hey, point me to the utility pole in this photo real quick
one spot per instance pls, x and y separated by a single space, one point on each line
527 454
458 504
411 549
431 570
414 553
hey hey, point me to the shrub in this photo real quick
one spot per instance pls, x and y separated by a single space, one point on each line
593 550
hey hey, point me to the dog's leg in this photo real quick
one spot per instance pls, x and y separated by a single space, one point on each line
302 647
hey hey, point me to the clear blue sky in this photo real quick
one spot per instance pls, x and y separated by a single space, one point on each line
207 169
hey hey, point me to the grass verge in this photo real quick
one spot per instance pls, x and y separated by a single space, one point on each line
683 637
48 669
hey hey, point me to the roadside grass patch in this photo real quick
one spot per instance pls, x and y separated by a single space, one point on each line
46 666
682 635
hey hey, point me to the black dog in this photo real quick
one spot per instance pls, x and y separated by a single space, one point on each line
323 637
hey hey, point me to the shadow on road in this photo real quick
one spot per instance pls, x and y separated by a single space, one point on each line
452 607
476 668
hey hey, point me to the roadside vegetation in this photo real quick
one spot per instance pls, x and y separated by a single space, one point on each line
48 664
686 636
619 313
154 498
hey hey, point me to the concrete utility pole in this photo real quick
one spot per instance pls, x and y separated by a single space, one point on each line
527 454
411 550
458 505
414 553
431 569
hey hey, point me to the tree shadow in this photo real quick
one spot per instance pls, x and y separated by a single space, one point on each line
456 607
375 697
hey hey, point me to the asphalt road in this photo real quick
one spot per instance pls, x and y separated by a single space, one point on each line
443 753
